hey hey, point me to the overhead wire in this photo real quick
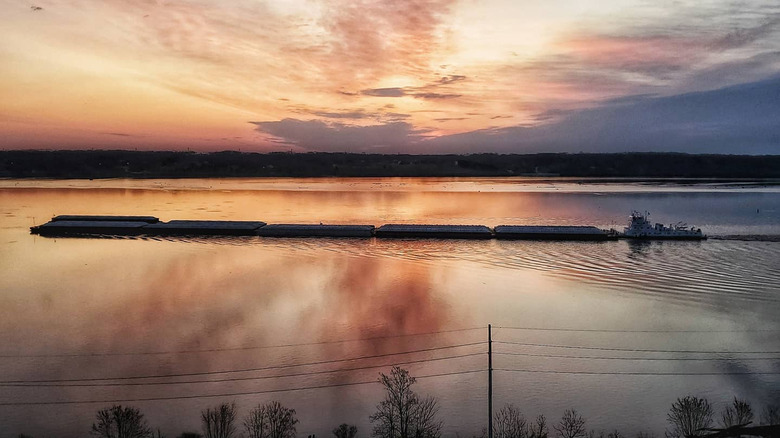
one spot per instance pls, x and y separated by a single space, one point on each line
211 350
642 373
272 367
643 350
228 394
125 380
552 329
230 379
563 356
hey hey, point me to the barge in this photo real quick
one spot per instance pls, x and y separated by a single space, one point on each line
203 228
536 232
100 226
75 228
434 231
314 230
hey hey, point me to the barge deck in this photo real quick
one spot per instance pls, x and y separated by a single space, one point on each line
109 226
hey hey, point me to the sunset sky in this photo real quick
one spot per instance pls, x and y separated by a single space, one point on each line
391 76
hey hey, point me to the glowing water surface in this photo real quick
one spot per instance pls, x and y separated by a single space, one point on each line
94 308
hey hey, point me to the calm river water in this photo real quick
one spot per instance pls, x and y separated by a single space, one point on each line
617 330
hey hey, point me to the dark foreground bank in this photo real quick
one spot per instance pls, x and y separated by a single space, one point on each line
167 164
406 414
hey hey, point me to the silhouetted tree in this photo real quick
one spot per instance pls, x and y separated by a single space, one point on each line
739 413
345 431
219 422
424 423
190 435
770 415
539 429
688 417
402 414
572 425
508 422
271 420
121 422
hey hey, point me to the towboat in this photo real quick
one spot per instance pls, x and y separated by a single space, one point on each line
640 227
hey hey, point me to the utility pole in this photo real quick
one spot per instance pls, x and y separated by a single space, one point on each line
490 381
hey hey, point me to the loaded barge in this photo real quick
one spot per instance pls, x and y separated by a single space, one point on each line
546 232
111 226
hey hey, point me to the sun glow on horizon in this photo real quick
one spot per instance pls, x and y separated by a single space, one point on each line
197 74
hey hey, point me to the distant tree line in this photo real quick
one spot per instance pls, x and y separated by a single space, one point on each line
405 414
169 164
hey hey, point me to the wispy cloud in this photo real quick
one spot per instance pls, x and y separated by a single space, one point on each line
436 96
741 117
717 121
355 115
384 92
338 137
744 36
432 91
447 66
371 39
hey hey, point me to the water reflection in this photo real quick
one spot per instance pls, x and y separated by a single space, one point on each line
232 296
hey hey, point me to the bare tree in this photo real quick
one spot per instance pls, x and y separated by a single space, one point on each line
271 420
508 422
219 422
770 415
121 422
689 416
424 418
402 414
345 431
738 414
572 425
392 419
539 429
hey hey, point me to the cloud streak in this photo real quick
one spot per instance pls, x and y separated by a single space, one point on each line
371 39
742 117
317 135
738 118
448 67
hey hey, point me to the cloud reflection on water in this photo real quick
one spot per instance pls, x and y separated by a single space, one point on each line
81 296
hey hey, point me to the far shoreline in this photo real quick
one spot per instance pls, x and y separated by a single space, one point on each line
617 167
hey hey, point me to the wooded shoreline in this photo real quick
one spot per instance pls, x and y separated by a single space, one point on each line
170 164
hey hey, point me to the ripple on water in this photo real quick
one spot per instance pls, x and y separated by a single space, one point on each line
692 272
684 271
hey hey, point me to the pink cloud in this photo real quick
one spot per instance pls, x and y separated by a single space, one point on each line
650 55
371 39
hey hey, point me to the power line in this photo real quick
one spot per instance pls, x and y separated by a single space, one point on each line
563 356
230 394
211 350
578 347
229 379
546 329
273 367
640 373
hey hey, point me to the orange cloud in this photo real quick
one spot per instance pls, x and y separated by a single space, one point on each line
372 39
